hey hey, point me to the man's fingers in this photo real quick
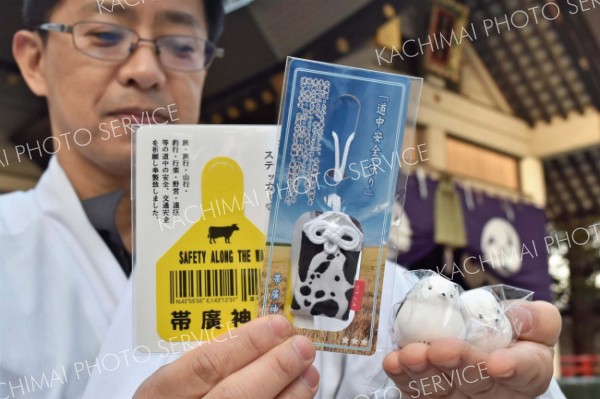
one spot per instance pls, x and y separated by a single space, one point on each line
537 321
523 367
463 365
412 373
453 352
198 371
521 371
396 372
270 374
413 356
402 364
305 386
461 371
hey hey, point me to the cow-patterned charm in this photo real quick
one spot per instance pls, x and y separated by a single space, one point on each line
327 265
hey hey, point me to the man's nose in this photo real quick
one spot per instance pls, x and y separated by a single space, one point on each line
143 67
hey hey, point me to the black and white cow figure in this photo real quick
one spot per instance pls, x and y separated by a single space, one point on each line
215 232
327 268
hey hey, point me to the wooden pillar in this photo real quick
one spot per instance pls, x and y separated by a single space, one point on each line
435 138
531 171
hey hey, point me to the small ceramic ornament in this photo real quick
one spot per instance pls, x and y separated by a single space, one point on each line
488 328
430 311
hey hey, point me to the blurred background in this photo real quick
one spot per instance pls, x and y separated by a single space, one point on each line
506 151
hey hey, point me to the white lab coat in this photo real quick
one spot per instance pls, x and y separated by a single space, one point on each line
59 288
66 310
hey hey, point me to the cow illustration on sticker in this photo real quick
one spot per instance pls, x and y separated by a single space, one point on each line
215 232
214 276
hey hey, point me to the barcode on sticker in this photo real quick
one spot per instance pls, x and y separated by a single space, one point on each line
212 283
249 283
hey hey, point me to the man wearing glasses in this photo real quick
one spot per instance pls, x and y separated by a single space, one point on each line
65 294
112 42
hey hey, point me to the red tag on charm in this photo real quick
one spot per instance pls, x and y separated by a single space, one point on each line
357 295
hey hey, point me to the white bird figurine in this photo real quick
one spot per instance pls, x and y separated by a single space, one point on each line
488 328
430 311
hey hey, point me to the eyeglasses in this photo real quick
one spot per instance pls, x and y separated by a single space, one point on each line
112 42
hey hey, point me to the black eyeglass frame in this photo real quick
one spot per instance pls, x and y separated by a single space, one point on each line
217 52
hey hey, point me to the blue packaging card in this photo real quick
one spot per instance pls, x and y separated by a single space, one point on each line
342 131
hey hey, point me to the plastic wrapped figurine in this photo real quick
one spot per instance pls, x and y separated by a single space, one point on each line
488 328
436 308
430 311
487 310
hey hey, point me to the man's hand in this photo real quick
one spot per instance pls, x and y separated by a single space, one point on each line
257 361
454 369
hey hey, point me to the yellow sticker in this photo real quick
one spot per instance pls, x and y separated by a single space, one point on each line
208 282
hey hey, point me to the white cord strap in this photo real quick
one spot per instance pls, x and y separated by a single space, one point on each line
334 230
334 201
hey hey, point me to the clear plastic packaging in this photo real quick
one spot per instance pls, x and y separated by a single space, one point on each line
342 134
487 313
201 210
431 310
436 308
